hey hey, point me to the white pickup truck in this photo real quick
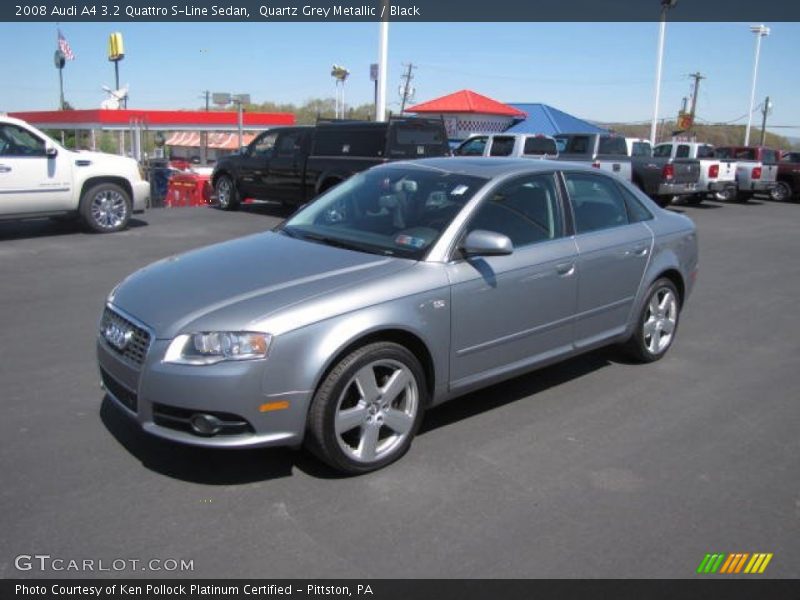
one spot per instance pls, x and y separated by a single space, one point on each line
41 178
717 175
516 145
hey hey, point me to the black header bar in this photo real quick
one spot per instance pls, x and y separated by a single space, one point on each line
265 11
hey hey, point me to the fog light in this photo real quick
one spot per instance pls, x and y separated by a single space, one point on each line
205 424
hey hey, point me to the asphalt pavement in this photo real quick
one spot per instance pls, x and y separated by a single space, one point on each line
592 468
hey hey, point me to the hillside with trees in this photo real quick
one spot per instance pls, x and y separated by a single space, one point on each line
718 135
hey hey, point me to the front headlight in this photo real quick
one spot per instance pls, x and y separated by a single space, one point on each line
212 347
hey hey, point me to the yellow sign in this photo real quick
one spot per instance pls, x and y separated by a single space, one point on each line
685 121
116 49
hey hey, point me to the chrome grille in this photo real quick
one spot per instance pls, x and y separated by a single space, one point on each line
136 347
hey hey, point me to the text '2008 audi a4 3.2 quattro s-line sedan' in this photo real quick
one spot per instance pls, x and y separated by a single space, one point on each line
405 286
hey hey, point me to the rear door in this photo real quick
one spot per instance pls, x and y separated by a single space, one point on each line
614 247
769 161
31 181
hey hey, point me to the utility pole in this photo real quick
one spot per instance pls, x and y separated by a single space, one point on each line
204 134
408 76
695 92
764 111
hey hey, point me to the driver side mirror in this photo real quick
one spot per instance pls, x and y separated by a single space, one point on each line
50 151
486 243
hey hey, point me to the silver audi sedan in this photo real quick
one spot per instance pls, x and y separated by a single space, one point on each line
407 285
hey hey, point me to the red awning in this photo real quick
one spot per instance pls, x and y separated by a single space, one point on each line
467 101
216 140
170 120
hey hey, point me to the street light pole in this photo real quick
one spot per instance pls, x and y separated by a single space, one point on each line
662 30
760 32
383 51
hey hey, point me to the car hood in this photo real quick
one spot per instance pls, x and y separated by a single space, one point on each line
231 285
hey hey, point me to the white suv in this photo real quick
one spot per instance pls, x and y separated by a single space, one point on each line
40 178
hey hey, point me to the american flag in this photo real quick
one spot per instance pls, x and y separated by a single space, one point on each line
63 45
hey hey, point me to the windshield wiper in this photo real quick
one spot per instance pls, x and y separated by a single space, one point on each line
335 242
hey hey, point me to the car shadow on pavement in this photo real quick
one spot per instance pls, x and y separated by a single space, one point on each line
268 209
209 466
45 227
518 388
212 466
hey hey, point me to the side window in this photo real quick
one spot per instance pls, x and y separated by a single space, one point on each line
682 151
472 147
636 210
501 146
16 141
612 144
263 144
596 201
662 151
289 143
705 152
769 157
540 145
526 210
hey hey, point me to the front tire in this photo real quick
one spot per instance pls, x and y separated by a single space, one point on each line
366 412
227 194
657 323
105 208
663 201
726 194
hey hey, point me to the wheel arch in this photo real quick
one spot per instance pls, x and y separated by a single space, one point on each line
100 179
403 337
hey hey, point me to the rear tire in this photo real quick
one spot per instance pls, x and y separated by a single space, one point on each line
743 197
657 324
663 201
367 410
727 194
781 192
105 208
226 192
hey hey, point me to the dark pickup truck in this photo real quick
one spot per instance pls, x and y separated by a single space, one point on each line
788 187
660 177
292 165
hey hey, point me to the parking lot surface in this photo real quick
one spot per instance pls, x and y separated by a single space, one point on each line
591 468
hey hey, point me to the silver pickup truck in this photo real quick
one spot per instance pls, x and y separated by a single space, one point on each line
756 169
603 151
717 175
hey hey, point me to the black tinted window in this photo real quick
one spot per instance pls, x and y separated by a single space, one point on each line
263 144
540 145
641 149
662 151
501 146
575 144
723 153
417 139
289 143
769 157
705 152
472 147
614 145
596 201
526 210
682 151
16 141
350 141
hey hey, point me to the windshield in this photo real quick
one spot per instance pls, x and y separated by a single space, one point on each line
391 211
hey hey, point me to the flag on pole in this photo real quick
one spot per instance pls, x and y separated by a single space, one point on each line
63 45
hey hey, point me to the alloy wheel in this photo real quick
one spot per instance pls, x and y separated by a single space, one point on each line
660 320
109 209
376 410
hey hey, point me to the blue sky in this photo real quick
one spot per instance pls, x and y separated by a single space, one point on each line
599 71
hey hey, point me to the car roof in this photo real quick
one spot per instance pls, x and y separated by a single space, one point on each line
489 167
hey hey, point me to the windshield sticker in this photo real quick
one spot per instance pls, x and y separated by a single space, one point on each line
407 240
459 190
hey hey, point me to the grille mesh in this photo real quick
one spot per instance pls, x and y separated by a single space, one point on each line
136 349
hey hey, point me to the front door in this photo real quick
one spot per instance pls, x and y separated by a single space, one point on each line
30 180
510 312
285 181
254 166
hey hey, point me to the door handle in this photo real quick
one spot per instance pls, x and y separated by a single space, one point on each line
640 251
565 269
5 169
